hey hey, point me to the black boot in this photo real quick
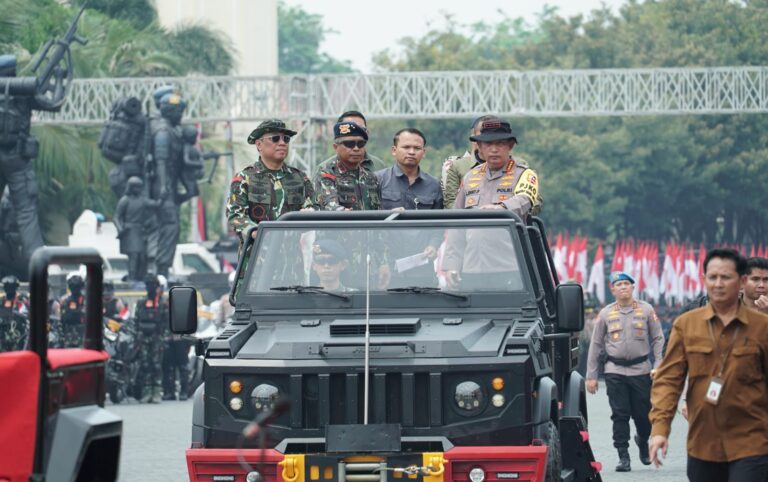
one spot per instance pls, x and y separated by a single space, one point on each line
645 457
623 461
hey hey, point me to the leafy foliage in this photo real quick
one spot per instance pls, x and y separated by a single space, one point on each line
299 35
671 177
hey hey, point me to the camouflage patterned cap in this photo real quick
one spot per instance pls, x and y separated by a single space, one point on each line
270 125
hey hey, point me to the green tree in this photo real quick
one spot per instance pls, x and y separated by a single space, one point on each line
299 35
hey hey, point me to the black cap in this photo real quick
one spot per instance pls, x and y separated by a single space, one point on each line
270 125
329 246
349 129
494 129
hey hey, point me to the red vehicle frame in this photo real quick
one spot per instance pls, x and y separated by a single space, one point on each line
54 426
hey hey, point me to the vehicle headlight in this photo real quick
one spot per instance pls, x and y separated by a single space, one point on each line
477 474
470 398
264 397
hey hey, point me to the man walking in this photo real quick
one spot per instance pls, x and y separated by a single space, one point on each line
723 349
625 332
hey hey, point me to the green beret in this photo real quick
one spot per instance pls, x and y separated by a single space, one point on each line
270 125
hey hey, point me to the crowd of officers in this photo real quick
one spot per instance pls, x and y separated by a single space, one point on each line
161 357
485 177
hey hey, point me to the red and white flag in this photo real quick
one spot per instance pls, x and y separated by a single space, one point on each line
596 283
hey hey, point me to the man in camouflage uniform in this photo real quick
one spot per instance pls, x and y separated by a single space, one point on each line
151 318
343 183
370 162
269 187
14 310
72 324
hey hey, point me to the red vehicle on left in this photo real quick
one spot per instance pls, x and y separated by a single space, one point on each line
53 425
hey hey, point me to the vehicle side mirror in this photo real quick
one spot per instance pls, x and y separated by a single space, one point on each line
183 300
569 298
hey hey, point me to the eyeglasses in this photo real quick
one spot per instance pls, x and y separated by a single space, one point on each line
352 144
326 260
276 138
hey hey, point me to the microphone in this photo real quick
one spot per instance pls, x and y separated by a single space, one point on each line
281 407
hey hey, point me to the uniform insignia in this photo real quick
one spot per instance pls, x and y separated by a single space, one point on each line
503 197
505 184
149 304
472 184
345 128
8 303
237 178
328 175
532 178
72 305
471 201
615 336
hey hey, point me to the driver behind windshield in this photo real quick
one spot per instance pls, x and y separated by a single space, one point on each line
328 262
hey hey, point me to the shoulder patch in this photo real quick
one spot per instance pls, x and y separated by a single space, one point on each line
237 178
328 175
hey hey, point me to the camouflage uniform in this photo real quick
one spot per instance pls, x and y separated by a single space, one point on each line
13 329
356 189
72 325
258 194
151 319
454 169
372 163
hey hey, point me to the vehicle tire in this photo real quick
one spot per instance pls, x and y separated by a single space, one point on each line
551 438
116 394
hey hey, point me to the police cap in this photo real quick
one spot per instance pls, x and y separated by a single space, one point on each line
331 247
494 129
269 125
349 129
620 276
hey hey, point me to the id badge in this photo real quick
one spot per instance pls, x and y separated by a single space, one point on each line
714 389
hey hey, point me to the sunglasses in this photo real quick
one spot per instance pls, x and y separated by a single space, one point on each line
352 144
326 260
276 138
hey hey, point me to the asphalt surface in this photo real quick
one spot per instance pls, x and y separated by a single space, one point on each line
155 437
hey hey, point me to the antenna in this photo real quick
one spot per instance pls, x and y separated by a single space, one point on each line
367 335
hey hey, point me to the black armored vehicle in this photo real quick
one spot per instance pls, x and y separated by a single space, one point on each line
367 346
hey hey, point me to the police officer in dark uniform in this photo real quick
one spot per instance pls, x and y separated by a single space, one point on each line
17 150
625 333
72 313
167 151
113 305
14 309
151 317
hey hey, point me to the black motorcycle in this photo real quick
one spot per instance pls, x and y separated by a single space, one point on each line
122 368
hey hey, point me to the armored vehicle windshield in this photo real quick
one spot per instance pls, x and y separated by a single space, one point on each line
329 258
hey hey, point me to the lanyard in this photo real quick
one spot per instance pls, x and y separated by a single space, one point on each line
723 356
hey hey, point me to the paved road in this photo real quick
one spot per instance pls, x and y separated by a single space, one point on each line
155 437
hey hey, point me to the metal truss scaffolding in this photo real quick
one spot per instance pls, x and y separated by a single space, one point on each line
306 100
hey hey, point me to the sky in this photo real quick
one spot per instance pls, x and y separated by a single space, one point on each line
364 27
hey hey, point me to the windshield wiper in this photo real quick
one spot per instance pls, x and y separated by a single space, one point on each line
427 289
309 289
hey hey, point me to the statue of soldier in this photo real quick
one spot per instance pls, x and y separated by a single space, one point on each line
192 168
151 317
163 176
11 249
17 150
133 222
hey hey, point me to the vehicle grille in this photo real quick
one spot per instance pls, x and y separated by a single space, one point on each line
356 328
410 399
